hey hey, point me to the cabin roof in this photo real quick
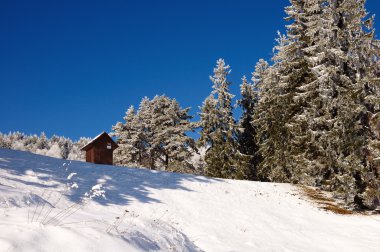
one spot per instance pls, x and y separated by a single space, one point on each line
97 138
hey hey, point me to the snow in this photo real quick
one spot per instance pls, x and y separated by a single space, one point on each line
71 175
120 209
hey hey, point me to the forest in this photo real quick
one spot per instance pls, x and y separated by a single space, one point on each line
309 116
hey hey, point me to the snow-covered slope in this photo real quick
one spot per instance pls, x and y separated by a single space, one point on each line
48 204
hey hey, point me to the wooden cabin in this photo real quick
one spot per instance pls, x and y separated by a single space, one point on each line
100 149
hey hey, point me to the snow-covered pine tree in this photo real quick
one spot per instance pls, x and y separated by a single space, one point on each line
287 105
42 142
246 134
267 120
358 177
370 195
76 153
4 141
218 131
156 135
128 139
56 146
65 144
146 133
318 155
328 88
295 94
170 124
119 156
276 108
208 122
339 56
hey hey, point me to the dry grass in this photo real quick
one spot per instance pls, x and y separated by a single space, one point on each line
336 209
323 201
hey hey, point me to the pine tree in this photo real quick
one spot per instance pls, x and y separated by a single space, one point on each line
156 135
170 124
246 135
370 193
65 146
208 122
267 121
56 146
327 68
218 129
355 38
275 109
42 142
129 151
343 61
146 133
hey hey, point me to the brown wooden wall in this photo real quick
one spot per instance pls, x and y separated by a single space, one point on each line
100 149
103 155
99 154
90 155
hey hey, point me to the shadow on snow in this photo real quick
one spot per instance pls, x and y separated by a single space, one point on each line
121 185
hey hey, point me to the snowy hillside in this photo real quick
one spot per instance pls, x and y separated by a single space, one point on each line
49 204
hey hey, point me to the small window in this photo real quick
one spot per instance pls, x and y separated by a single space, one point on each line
109 146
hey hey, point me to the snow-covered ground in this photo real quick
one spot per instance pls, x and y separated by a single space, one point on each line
49 204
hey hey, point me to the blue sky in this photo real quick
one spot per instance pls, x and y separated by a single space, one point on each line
73 67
